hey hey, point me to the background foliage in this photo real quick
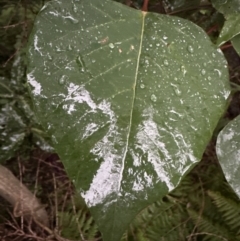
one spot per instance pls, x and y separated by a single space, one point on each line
203 207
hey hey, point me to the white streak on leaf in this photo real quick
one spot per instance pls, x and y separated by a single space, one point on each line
105 181
37 86
150 141
53 13
36 45
77 94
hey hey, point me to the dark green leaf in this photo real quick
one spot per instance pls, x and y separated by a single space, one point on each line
228 152
16 115
227 7
236 43
130 99
230 29
176 5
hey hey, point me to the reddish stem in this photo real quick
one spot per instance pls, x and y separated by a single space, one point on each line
226 46
145 6
212 29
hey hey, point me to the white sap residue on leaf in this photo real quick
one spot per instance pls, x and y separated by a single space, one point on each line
139 185
175 112
136 160
90 129
53 13
71 18
35 43
105 181
230 162
150 141
78 94
227 136
185 152
32 81
226 94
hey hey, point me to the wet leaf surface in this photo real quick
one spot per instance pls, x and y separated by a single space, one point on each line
128 107
228 152
227 7
17 120
230 29
176 5
236 43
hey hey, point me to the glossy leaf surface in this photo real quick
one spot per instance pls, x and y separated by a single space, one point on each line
176 5
16 113
231 10
236 43
228 152
230 29
130 99
227 7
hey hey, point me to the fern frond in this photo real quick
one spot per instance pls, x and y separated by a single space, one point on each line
229 209
211 231
79 226
169 221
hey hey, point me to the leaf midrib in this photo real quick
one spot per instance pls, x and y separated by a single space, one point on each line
133 101
131 114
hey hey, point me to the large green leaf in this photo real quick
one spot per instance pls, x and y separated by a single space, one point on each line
227 7
17 118
176 5
231 11
130 99
228 152
236 43
230 29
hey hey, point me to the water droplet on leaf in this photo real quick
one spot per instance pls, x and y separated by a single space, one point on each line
165 62
63 80
219 72
142 86
75 9
50 57
176 89
80 63
111 46
153 98
70 47
183 70
203 71
190 49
